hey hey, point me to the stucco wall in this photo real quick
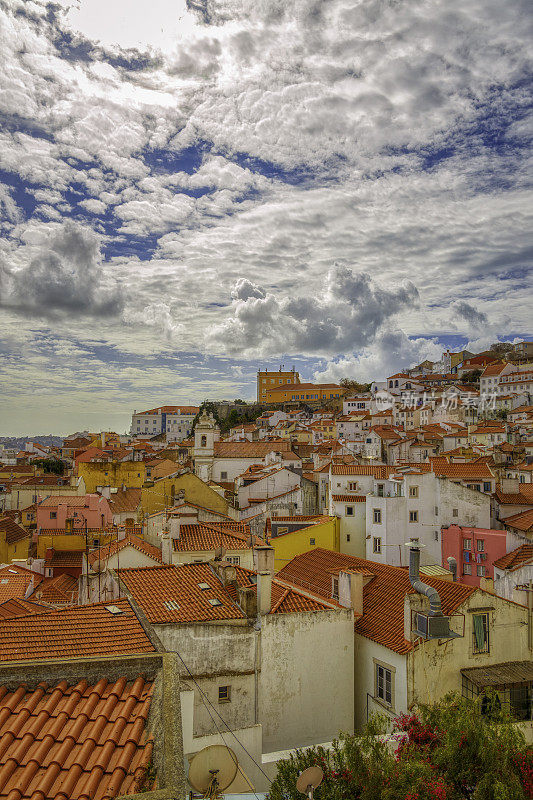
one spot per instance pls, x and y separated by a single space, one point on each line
306 685
366 652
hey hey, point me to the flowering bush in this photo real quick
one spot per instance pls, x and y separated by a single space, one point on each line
447 751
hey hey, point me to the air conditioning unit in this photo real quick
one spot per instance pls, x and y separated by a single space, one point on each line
428 627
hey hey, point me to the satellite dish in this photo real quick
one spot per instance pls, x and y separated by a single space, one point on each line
308 780
212 770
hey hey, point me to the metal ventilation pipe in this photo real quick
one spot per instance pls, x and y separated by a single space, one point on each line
422 588
452 563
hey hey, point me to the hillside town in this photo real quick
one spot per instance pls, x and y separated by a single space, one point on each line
265 574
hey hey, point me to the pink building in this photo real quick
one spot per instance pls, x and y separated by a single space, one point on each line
475 551
77 511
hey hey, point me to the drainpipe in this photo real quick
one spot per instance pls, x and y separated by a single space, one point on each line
422 588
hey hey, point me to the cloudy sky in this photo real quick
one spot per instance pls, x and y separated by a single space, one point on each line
193 188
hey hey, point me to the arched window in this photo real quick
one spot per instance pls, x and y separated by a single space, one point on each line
203 441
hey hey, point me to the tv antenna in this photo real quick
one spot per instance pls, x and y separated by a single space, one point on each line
212 770
309 780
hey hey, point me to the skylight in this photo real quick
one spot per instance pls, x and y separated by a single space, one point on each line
172 605
214 601
203 586
114 609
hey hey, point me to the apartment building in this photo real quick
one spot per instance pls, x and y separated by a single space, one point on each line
267 379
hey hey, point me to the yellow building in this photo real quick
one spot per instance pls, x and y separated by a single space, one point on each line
267 380
158 495
14 541
312 392
112 473
325 534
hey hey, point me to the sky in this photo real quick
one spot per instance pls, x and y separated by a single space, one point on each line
191 190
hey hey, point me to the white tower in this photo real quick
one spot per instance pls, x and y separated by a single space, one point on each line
206 434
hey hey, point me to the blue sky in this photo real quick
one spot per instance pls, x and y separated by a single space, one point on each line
186 197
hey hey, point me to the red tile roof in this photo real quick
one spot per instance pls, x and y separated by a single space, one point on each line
75 632
286 599
16 581
65 558
129 540
70 500
205 536
171 594
516 558
348 498
522 498
381 472
383 596
20 608
470 471
251 449
125 500
74 742
13 531
58 590
522 521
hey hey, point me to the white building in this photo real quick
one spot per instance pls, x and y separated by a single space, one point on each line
174 421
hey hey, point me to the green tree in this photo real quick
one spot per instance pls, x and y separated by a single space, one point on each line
53 466
447 751
354 386
210 408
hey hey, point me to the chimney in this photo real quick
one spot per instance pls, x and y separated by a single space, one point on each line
264 593
247 598
351 591
121 534
264 559
166 547
452 563
174 525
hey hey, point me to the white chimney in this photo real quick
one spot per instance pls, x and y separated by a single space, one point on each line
351 591
166 548
264 593
174 525
264 559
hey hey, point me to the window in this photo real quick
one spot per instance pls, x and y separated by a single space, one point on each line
467 544
436 511
376 545
311 541
481 571
487 486
455 512
480 544
349 511
335 588
223 476
224 694
377 516
384 684
413 491
436 536
353 486
381 489
467 569
480 633
53 514
203 441
413 516
233 560
348 537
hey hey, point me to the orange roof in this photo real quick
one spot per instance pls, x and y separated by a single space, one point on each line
251 449
74 741
15 581
70 500
522 521
516 558
13 531
383 596
172 594
380 471
348 498
129 540
17 607
58 590
493 369
286 598
205 536
469 471
522 498
317 518
75 632
125 500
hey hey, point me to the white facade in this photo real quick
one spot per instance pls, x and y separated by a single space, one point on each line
416 507
506 583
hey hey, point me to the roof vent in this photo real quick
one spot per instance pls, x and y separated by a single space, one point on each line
172 605
114 609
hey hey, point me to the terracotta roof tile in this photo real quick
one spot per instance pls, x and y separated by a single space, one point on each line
348 498
516 558
16 582
251 449
58 590
70 500
125 500
172 593
286 599
76 632
20 608
67 742
522 521
205 536
383 596
381 472
13 531
129 540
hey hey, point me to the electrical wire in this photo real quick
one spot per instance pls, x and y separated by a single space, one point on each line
206 699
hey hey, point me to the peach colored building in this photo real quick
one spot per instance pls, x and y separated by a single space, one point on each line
77 511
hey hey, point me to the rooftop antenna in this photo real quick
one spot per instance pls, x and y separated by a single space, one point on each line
212 770
309 780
